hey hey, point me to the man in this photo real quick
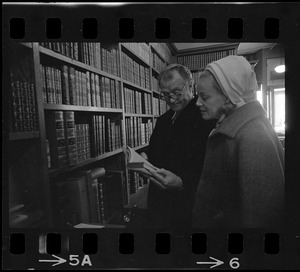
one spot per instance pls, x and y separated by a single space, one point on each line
177 145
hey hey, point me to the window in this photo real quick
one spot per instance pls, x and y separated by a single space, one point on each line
279 110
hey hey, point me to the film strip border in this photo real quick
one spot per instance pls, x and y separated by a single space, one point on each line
248 249
153 22
166 23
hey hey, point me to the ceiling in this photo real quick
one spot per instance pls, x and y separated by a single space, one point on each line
243 48
187 46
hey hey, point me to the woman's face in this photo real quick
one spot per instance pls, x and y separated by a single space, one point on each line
211 101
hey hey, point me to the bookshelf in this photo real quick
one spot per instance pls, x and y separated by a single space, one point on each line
196 60
80 103
108 95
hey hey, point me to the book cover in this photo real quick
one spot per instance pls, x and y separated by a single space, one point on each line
120 175
114 199
79 197
91 178
136 162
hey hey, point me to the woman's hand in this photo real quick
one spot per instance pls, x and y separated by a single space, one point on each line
166 179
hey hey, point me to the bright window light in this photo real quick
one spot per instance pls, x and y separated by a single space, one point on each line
280 69
259 95
279 114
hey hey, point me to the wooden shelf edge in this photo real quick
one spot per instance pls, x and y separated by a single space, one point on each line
77 63
136 55
158 53
55 172
14 136
80 108
140 146
155 70
136 86
26 44
138 115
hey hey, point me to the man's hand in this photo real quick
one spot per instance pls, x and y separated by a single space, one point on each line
166 179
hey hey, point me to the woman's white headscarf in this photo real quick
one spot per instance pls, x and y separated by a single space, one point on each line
235 77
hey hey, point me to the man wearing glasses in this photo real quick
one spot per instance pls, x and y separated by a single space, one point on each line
177 146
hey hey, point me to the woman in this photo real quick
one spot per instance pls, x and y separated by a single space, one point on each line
242 183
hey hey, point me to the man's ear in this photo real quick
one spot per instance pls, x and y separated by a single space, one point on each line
191 85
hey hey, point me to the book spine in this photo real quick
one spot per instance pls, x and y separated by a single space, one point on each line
95 189
32 107
93 90
101 187
16 105
57 140
88 87
70 137
43 74
65 85
97 90
25 106
80 197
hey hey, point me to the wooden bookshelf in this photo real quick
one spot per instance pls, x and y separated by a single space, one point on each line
46 175
76 63
136 86
134 55
56 172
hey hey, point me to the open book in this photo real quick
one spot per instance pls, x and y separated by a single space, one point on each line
137 163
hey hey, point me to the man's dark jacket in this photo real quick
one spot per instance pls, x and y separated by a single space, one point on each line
179 148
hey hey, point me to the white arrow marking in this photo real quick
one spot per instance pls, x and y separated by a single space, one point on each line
57 262
216 263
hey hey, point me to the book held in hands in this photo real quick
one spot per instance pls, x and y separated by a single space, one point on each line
137 163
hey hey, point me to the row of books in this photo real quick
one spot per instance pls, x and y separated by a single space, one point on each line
137 102
164 51
92 54
91 196
106 134
195 75
134 72
72 87
199 61
24 107
140 49
138 132
156 62
159 106
69 49
71 143
155 86
82 150
68 143
136 181
107 60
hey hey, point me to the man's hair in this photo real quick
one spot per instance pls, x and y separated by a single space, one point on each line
166 74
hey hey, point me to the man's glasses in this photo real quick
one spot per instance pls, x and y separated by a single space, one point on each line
175 96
